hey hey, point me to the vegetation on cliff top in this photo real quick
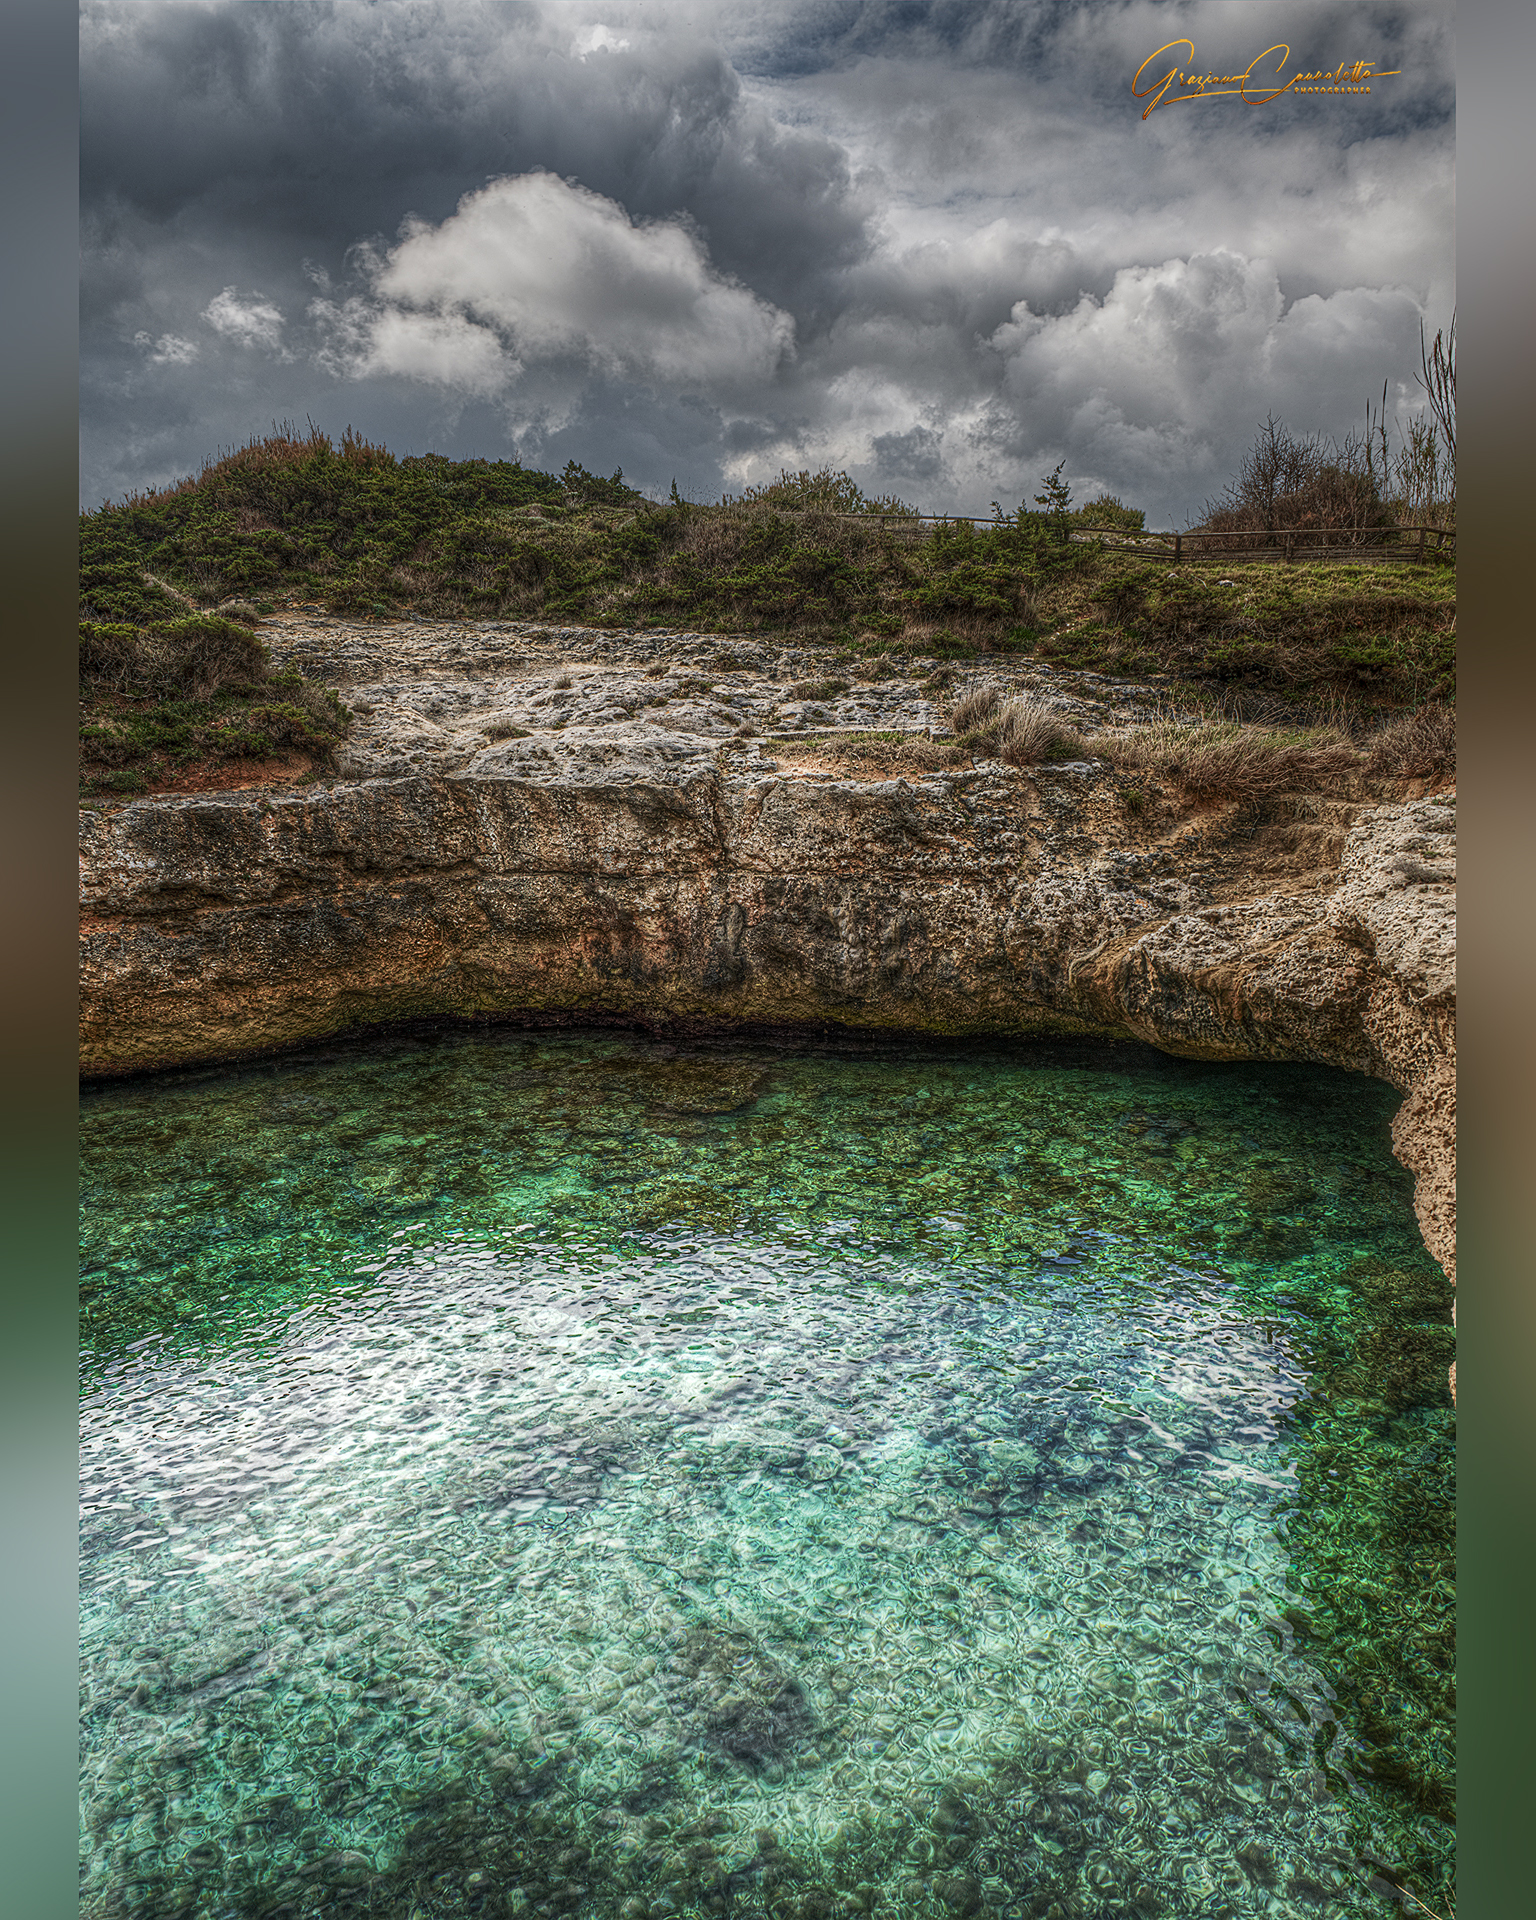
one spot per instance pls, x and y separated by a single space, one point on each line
296 517
188 695
293 517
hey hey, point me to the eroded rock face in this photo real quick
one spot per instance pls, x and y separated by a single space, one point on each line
627 862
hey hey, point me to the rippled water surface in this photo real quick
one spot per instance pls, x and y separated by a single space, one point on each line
571 1475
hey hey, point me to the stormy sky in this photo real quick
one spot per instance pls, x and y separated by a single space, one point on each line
933 242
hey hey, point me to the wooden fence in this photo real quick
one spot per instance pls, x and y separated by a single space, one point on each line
1402 543
1418 544
1426 545
1410 543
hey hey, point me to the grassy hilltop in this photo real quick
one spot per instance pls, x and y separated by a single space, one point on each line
173 582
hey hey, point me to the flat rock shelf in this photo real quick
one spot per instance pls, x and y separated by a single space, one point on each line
569 1474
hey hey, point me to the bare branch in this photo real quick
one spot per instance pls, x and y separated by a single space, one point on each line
1438 380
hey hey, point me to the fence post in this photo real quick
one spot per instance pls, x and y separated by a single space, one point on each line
1178 548
1422 531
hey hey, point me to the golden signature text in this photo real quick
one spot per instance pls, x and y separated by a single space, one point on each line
1253 84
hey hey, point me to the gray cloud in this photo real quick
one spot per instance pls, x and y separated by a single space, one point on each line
250 322
934 243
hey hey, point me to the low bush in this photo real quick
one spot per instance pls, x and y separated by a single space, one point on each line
192 657
161 699
1111 513
823 491
1304 633
110 654
199 656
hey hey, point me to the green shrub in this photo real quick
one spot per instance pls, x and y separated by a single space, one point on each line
1301 632
198 655
1108 511
109 653
287 725
155 699
193 656
824 490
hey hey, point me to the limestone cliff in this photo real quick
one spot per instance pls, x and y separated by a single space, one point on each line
611 859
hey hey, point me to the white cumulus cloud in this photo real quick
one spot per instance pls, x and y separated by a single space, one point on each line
598 40
1149 376
534 268
363 338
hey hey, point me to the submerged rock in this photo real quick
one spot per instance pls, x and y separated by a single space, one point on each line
740 1700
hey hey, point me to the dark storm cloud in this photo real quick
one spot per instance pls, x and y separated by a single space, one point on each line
324 123
935 244
1083 48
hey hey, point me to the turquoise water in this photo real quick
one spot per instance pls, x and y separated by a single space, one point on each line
572 1475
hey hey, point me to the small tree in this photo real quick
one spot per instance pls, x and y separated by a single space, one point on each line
592 490
1425 482
1312 483
1056 500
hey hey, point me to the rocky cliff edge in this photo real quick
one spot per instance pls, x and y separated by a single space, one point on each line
538 827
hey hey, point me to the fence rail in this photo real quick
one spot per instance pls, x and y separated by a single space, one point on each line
1409 543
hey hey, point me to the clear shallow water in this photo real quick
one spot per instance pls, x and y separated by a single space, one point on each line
569 1475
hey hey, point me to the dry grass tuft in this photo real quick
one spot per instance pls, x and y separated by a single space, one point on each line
974 709
1224 760
1417 746
1021 733
1028 731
